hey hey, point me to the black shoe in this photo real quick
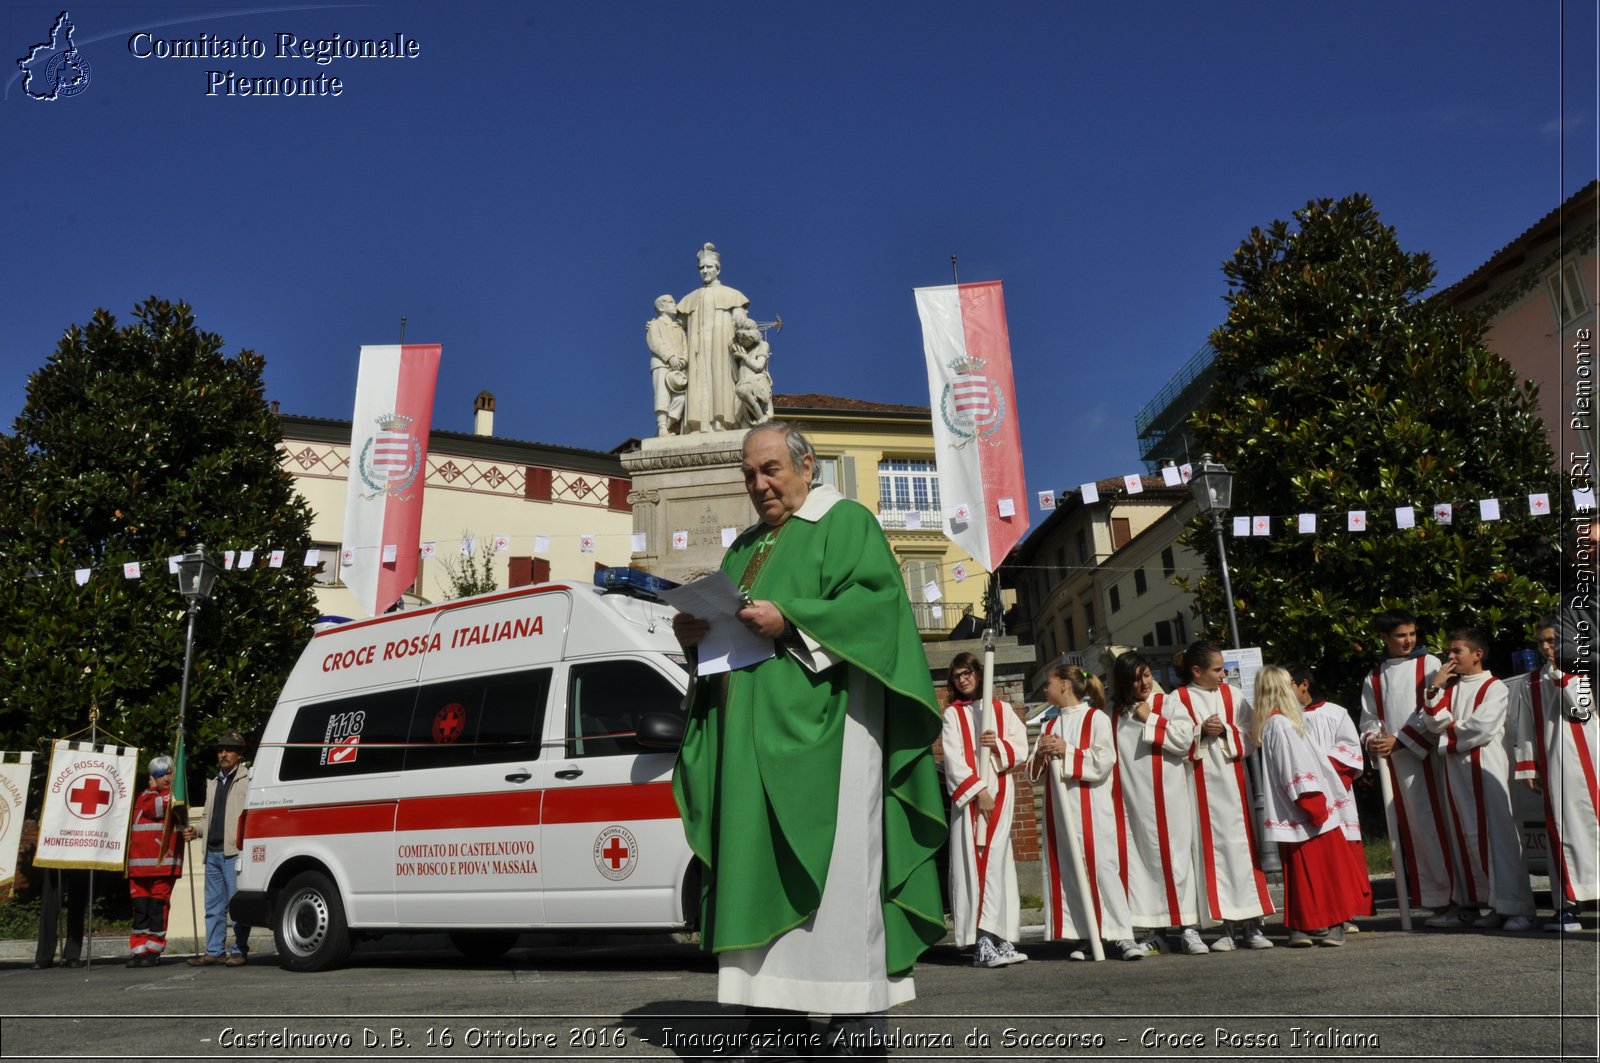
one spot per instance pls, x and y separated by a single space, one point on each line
136 960
46 965
72 963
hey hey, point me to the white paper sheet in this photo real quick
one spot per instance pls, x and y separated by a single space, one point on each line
729 644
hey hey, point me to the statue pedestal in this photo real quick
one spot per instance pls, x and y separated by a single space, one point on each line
687 483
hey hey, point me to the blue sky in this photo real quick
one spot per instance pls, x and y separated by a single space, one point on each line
525 188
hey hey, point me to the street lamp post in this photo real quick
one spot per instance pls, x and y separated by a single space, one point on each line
197 574
1212 485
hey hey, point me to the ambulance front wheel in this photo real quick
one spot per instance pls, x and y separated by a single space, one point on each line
309 925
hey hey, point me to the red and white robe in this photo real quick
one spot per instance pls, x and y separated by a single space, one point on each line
1332 732
1391 703
983 876
1304 801
1082 795
1158 814
1231 884
1563 752
1469 718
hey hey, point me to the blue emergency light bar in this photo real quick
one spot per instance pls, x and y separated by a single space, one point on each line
639 584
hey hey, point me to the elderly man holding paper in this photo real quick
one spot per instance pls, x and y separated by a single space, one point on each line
806 781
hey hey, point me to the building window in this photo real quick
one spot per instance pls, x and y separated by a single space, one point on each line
1177 628
918 574
908 484
327 572
1149 639
1139 586
1566 292
838 473
1116 599
1083 546
1163 632
1169 565
1088 621
1121 532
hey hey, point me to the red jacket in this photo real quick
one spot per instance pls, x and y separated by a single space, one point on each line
145 835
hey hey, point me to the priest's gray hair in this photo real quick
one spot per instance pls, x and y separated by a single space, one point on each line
799 446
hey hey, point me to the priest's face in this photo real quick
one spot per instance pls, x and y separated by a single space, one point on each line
776 488
1546 642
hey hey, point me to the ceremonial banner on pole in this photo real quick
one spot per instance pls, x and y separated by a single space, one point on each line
976 437
388 467
87 797
14 770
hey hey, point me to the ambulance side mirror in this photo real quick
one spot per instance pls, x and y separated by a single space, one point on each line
660 730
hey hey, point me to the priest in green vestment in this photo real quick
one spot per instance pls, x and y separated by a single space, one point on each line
806 782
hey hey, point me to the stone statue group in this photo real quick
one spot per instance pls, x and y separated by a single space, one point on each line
708 358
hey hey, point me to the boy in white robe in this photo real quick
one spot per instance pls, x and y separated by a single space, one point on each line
1466 710
1558 745
1392 731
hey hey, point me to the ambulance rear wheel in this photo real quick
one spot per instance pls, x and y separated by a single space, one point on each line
483 946
309 925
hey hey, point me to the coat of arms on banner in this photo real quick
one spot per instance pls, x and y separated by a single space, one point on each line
971 405
391 457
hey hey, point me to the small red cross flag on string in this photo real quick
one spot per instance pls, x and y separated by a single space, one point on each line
130 570
1308 524
1539 504
1358 520
1444 513
680 539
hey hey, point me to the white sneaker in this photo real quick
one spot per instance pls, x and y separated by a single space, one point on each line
1223 944
1130 949
1565 922
1009 954
1517 922
1351 928
986 955
1254 938
1451 918
1077 954
1190 942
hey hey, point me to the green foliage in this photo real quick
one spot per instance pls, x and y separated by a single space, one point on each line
1339 388
472 573
137 443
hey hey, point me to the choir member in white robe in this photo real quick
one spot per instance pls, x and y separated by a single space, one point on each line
1233 889
1468 714
1392 730
1558 746
1333 733
1077 759
984 901
1153 736
1303 797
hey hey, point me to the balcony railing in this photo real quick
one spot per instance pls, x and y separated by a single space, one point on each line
923 611
931 519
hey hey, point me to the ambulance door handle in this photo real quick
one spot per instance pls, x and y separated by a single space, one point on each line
569 773
522 775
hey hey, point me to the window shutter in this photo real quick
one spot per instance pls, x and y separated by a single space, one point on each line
539 488
617 496
519 572
847 476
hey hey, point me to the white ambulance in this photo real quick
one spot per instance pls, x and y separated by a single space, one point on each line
484 767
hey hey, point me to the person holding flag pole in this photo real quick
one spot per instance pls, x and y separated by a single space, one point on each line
154 864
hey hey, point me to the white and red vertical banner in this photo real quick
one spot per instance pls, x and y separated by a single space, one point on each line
14 771
977 440
388 467
88 795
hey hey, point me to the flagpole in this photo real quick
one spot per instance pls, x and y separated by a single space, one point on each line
183 711
954 276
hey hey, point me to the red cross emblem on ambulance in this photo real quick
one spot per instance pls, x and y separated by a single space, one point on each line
616 853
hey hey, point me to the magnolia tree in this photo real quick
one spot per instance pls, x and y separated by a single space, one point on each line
138 442
1338 388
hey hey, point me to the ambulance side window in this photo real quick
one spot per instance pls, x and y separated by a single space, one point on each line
478 720
358 735
605 701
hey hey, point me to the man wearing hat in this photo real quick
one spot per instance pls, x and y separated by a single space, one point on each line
219 826
155 860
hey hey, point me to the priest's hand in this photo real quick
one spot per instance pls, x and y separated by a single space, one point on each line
985 801
689 629
763 619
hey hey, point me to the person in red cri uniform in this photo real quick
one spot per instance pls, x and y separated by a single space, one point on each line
155 860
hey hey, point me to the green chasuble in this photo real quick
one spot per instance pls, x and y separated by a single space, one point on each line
757 780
